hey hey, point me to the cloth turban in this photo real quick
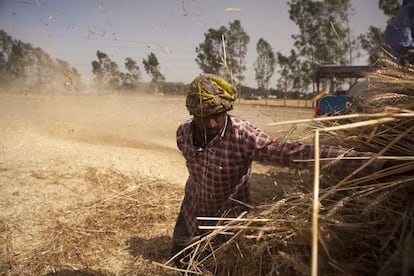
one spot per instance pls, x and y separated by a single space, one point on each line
210 94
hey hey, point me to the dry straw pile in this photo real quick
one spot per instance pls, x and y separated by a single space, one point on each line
361 226
115 234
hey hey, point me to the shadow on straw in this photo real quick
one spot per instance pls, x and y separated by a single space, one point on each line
82 272
155 249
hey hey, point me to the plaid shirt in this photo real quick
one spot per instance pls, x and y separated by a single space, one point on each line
219 173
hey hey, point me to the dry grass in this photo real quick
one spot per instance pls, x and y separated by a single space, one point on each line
116 234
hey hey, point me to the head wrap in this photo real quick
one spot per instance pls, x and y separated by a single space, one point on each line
210 94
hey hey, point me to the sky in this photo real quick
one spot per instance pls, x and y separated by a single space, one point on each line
73 30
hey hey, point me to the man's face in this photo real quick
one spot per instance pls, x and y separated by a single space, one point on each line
212 124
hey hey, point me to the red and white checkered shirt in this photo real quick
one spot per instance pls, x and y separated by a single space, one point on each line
220 172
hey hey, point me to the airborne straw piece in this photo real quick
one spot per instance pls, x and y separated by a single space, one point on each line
232 9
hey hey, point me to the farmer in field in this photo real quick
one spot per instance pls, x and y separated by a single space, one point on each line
219 150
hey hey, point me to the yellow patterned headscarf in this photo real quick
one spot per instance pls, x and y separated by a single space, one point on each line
210 94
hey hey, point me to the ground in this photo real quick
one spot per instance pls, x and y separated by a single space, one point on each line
60 153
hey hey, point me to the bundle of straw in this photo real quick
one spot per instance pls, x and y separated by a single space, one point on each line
361 225
392 85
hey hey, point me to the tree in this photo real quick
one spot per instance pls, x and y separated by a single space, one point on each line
224 42
72 76
152 67
265 65
133 76
236 47
324 36
373 42
105 70
323 30
19 60
290 71
30 66
389 7
6 43
210 52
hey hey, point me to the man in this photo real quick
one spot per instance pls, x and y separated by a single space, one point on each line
219 150
399 34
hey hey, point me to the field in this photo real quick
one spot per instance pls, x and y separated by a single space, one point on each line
92 185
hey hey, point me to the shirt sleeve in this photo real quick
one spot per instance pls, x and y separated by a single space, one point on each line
183 132
299 155
179 137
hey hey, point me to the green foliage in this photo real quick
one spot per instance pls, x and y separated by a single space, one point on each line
373 43
106 71
292 79
108 75
389 7
21 63
132 78
236 50
265 64
210 53
323 30
152 67
324 38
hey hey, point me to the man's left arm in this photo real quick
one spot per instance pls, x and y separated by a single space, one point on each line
298 155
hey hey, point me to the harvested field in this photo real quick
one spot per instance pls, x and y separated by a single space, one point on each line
91 185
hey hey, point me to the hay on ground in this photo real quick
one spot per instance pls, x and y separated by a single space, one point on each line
119 234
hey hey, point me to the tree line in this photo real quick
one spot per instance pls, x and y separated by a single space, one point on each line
324 38
21 63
